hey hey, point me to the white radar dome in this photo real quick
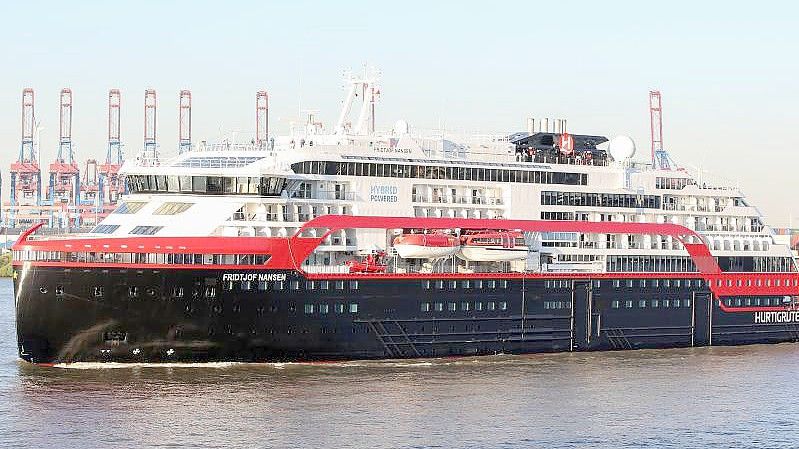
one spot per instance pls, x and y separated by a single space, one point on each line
400 128
621 148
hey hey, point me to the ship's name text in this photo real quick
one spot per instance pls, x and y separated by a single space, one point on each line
268 277
791 316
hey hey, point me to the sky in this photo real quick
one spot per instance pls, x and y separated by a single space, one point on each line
727 72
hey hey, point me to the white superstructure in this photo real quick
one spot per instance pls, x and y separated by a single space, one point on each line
251 190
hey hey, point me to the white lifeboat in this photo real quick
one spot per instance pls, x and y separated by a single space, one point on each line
426 246
493 246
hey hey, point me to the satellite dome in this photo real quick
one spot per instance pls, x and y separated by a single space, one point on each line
621 148
400 128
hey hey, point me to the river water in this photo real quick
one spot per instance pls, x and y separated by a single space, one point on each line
706 397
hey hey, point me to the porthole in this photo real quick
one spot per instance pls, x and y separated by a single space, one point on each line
150 292
43 290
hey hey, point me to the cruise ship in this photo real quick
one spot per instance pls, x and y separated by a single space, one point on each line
350 243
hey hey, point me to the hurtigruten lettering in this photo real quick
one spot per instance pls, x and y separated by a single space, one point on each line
268 277
791 316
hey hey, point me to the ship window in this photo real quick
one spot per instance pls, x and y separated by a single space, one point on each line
492 284
737 302
308 308
503 283
642 303
324 308
133 291
426 285
666 283
104 229
628 303
279 285
478 283
199 184
339 308
465 306
597 284
210 292
614 304
145 230
353 308
324 285
177 292
616 283
503 305
439 307
99 292
686 303
439 284
629 282
666 303
246 285
172 208
309 285
451 306
728 302
294 285
491 305
353 285
464 284
339 285
654 283
478 305
453 285
228 285
642 283
425 307
129 207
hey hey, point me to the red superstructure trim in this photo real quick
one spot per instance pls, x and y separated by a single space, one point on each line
288 253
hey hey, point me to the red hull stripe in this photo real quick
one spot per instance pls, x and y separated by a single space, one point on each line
289 253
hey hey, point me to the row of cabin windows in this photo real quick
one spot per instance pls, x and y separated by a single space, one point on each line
557 305
672 264
664 283
212 185
673 183
758 282
465 306
466 283
576 199
325 308
643 283
290 285
142 258
755 301
437 172
651 303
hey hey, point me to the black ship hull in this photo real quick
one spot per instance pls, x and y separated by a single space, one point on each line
170 315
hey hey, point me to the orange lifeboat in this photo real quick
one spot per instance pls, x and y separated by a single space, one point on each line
426 246
493 246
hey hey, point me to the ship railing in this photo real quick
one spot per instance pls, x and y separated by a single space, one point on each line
457 199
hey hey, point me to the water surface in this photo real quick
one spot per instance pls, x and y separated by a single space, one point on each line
706 397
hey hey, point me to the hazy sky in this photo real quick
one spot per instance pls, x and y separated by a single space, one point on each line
727 71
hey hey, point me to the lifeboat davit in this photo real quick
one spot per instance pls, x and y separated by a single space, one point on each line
493 246
426 246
